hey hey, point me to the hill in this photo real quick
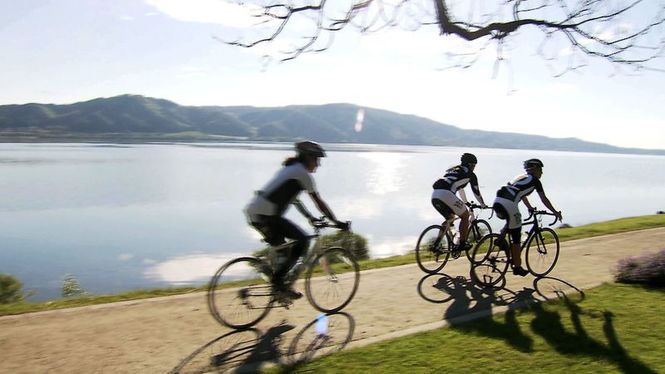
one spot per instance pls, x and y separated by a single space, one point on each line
130 118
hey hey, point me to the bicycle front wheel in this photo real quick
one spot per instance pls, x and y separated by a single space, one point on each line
431 252
240 294
542 252
490 261
332 280
477 230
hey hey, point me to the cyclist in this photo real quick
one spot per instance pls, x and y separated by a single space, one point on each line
445 200
265 211
505 206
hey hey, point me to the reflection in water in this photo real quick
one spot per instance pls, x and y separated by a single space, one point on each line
391 246
188 269
386 173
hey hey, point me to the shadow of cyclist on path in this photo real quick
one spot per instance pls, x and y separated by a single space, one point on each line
245 350
469 301
548 325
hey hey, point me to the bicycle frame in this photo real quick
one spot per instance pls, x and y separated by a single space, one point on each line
448 225
534 219
307 259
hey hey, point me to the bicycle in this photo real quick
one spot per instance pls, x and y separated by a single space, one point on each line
492 254
240 294
433 248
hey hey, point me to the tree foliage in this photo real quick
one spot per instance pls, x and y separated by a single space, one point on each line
10 289
623 32
71 287
356 243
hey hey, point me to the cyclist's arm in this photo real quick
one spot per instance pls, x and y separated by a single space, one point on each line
527 204
548 204
476 192
323 207
462 195
301 208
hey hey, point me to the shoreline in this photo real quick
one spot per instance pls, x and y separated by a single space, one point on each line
589 231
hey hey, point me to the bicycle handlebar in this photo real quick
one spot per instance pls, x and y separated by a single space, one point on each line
324 222
537 212
472 205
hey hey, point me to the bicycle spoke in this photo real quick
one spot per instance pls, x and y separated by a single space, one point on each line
490 261
238 295
332 280
542 252
432 251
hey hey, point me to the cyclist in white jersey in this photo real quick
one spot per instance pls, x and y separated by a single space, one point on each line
445 200
265 211
507 199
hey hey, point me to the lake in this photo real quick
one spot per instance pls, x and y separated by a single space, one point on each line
120 217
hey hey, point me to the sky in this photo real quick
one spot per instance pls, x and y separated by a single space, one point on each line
68 51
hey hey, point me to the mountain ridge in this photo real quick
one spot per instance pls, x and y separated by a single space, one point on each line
136 118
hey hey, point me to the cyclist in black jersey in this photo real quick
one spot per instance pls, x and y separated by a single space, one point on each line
445 200
506 206
265 211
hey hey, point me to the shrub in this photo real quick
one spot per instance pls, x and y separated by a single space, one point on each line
345 239
71 287
349 240
647 269
10 289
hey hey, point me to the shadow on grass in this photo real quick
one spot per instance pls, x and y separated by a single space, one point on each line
548 325
247 351
468 302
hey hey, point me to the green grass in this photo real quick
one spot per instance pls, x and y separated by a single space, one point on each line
612 227
616 328
590 230
27 307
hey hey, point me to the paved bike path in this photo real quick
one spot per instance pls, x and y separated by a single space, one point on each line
158 335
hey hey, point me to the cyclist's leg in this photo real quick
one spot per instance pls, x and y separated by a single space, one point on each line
508 210
453 205
463 227
285 228
444 210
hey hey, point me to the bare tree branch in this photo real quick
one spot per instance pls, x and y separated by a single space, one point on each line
630 32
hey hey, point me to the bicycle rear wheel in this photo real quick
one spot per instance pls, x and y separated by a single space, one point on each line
542 252
478 229
432 255
490 261
240 294
332 279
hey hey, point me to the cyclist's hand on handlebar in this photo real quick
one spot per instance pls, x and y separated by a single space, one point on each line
344 226
314 221
558 216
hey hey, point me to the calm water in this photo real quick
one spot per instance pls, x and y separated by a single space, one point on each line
120 217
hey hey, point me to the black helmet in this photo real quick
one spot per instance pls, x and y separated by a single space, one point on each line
533 163
310 148
468 158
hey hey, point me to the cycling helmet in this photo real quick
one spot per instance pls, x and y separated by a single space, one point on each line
468 158
310 148
533 163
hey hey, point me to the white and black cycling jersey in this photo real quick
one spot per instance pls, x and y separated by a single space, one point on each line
274 198
519 187
456 178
